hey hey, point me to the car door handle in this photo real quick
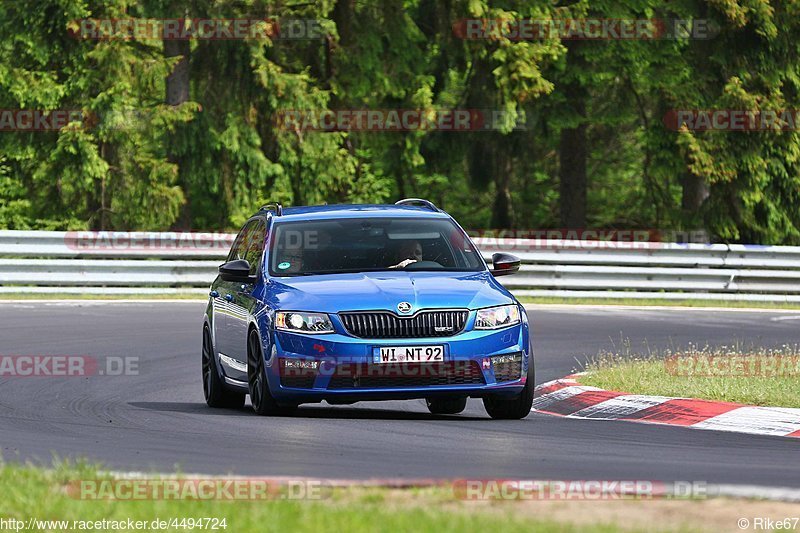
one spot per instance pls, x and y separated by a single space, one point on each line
214 294
229 297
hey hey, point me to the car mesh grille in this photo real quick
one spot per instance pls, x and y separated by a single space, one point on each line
300 378
299 382
406 375
510 370
385 325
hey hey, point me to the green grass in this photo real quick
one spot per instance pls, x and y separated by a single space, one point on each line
722 374
30 492
724 304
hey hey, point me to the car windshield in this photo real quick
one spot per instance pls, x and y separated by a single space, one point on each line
371 244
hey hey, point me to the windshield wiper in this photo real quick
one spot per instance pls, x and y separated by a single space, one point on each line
368 270
343 271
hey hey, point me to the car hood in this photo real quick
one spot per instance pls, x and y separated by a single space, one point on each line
333 293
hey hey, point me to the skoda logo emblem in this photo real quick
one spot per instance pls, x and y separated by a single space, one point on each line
404 307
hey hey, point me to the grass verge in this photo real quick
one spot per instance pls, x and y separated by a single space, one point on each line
753 377
35 493
655 302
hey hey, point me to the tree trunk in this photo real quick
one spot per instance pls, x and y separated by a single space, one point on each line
178 79
343 15
695 192
502 213
98 199
573 149
177 88
572 174
693 195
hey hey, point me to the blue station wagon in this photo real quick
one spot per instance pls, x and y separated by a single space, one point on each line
347 303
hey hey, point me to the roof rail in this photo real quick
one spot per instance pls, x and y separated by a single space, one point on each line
417 201
277 207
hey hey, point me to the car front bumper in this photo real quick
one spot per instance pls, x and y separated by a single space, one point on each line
342 368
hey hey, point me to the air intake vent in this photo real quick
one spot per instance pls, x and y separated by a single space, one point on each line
406 375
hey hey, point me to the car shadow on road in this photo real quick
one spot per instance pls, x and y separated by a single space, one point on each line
370 413
195 408
305 411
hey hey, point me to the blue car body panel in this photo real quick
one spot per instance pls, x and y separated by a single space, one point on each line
334 293
234 309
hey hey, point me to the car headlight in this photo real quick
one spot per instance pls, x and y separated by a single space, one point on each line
303 322
497 317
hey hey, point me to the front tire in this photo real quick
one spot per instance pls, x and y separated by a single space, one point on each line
260 397
517 407
446 406
214 390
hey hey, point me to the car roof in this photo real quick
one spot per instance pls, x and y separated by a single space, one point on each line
322 212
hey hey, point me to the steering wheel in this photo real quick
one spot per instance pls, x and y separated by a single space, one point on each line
422 265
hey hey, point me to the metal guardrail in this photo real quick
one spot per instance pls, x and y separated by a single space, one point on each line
167 263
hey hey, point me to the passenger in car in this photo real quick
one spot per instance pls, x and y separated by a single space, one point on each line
291 260
408 252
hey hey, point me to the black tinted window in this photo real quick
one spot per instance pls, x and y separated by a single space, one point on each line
249 244
235 253
371 244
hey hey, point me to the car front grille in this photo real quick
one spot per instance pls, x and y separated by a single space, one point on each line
385 325
406 375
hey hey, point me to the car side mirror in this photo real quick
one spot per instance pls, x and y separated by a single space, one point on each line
237 270
504 264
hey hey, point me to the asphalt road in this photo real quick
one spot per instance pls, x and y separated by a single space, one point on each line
157 420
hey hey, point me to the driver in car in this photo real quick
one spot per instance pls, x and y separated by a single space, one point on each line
409 252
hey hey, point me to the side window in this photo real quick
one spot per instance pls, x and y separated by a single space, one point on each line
254 249
236 248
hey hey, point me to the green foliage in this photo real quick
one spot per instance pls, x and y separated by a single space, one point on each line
136 162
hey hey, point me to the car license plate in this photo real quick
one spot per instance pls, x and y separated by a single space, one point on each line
409 354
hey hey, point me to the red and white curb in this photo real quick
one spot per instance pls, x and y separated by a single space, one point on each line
566 397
